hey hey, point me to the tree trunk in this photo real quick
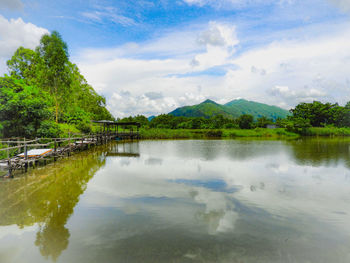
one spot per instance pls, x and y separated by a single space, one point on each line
56 111
56 102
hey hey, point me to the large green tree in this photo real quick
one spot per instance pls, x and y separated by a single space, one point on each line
55 72
25 64
22 107
320 114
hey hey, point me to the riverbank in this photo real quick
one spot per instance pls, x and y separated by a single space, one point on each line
217 133
280 133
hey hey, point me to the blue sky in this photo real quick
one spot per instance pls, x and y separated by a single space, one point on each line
279 52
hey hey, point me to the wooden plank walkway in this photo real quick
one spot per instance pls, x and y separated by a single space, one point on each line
28 153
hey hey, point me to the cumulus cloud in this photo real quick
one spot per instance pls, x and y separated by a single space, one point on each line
295 96
11 4
342 4
211 36
160 75
154 95
220 40
15 33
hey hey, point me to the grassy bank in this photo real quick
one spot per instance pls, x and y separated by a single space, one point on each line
327 131
218 133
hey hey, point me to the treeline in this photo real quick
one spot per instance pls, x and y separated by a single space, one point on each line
43 90
303 116
316 114
166 121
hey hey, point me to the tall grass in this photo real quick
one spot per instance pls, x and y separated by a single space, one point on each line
218 133
327 131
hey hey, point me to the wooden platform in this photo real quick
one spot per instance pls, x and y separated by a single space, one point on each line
28 153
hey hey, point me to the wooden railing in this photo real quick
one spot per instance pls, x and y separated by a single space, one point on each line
59 147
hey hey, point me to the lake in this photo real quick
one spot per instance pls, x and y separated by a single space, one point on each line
183 201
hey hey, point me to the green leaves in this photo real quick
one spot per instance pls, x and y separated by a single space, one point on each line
22 107
45 85
321 114
245 121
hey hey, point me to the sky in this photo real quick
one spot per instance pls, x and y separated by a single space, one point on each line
150 57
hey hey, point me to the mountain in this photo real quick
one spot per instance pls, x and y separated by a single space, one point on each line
257 109
151 117
232 109
205 109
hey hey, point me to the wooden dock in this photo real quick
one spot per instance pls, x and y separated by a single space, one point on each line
22 154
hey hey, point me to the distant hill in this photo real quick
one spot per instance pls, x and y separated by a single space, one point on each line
205 109
151 117
232 109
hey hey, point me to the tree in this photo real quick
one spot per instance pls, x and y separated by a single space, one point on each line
263 122
24 64
22 107
245 121
55 71
318 113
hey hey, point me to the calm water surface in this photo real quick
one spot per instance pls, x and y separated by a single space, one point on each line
183 201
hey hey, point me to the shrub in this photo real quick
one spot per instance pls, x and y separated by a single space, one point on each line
84 127
49 129
214 133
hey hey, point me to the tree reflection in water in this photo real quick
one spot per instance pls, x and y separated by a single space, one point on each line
48 197
321 151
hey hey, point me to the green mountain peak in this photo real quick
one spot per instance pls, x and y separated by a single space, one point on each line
232 109
209 101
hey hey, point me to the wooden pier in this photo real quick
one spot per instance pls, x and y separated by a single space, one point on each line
22 154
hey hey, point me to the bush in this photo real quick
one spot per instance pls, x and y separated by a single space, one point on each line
231 126
49 129
245 121
214 133
84 127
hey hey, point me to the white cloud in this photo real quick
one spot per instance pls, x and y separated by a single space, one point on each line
108 13
294 97
164 73
15 33
342 4
218 4
11 4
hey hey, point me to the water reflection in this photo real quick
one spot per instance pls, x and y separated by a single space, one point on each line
321 151
47 197
187 201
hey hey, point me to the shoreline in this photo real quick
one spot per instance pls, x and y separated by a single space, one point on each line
278 133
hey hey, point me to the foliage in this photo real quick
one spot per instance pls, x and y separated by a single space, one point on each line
54 75
263 121
49 129
245 121
22 107
24 64
317 114
44 86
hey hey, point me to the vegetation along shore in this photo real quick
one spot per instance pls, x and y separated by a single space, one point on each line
45 95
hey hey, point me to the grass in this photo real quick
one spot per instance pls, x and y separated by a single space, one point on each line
327 131
218 133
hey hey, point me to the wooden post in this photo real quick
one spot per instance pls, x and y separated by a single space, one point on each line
10 168
55 150
68 144
25 158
